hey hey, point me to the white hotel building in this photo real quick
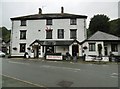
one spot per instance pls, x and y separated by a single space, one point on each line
40 33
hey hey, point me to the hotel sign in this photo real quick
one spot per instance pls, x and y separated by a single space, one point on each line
54 57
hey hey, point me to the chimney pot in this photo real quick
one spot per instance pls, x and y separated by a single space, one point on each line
40 11
62 10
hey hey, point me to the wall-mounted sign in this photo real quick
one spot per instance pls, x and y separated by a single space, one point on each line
54 57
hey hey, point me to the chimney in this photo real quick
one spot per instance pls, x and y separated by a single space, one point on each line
62 10
40 11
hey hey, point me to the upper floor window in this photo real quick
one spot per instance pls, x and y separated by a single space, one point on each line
73 21
73 33
49 34
22 47
22 34
114 47
23 22
60 33
91 46
49 22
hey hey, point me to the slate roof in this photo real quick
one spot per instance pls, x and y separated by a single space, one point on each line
55 42
47 16
102 36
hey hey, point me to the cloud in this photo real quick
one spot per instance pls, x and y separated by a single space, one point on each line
13 8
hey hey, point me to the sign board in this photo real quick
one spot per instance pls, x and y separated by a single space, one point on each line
54 57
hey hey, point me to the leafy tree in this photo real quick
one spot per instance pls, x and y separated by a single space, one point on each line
5 33
115 27
98 23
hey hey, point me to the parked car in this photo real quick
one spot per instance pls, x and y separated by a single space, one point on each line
2 54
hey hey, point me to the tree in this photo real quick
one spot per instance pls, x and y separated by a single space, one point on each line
5 33
98 23
115 27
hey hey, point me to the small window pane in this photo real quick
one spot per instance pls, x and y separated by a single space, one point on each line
48 34
73 34
49 22
73 21
22 47
91 46
60 33
23 34
114 47
23 22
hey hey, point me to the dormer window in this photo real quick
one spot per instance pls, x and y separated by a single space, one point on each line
73 21
48 21
23 22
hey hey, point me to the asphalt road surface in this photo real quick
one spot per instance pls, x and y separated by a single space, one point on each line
61 74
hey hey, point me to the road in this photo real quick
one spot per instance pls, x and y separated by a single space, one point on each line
62 74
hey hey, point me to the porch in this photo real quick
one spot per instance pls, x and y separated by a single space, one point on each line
40 48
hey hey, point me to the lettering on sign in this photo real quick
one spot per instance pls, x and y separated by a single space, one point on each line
54 57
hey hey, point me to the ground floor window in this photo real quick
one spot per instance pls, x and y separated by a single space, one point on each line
91 46
22 47
49 49
114 47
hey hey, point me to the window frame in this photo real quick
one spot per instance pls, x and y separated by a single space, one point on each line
74 36
23 23
92 47
22 50
49 22
73 21
114 47
47 37
21 32
59 34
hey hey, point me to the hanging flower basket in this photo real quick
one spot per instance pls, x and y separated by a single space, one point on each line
85 47
14 48
28 48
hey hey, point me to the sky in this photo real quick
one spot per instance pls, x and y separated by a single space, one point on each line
15 8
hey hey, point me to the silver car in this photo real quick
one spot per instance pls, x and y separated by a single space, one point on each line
2 54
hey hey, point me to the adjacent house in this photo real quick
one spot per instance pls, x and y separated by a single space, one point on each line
109 44
40 33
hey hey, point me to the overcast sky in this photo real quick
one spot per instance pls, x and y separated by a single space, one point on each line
15 8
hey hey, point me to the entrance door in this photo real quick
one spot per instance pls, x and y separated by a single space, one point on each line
106 51
36 52
75 48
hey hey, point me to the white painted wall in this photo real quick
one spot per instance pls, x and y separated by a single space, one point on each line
108 45
33 33
62 49
87 52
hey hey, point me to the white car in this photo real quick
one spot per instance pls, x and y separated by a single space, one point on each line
2 54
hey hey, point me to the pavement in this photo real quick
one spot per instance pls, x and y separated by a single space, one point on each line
46 73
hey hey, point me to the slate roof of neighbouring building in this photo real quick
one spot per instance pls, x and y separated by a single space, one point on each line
52 16
102 36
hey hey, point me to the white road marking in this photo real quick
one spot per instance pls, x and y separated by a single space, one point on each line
18 63
114 75
65 68
25 81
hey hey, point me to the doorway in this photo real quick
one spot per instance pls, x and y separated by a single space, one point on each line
36 51
106 51
75 49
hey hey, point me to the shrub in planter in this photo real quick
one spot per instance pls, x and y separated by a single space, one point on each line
14 48
28 48
85 47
